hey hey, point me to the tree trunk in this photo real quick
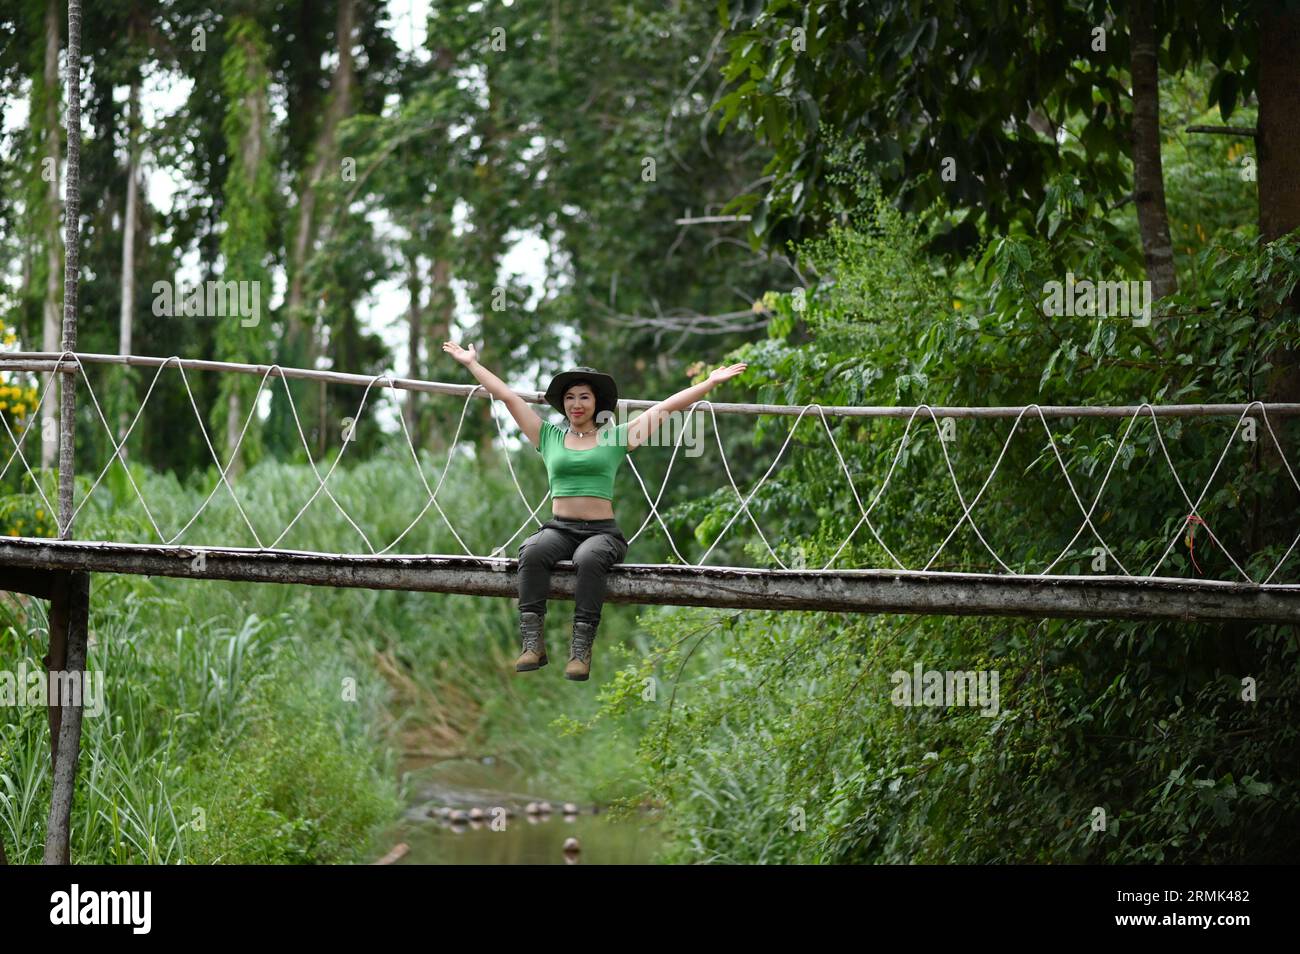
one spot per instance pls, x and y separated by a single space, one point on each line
415 367
493 231
50 333
126 316
71 267
235 467
301 319
1278 136
442 307
1277 144
1148 174
242 249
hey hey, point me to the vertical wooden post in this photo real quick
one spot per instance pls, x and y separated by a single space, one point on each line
68 637
68 750
56 659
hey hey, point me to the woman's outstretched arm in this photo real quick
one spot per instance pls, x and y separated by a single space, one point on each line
641 428
524 415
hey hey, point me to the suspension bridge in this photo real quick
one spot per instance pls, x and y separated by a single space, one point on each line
60 569
26 563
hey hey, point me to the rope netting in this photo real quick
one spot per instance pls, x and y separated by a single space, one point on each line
1192 520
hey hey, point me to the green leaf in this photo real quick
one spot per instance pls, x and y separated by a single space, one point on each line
1228 95
909 41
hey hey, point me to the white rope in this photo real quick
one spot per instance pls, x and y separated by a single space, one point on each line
1096 499
966 509
500 552
889 476
849 478
433 492
744 499
744 502
1193 506
1291 473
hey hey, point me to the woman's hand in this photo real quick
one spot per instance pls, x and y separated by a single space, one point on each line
524 415
640 428
463 355
718 375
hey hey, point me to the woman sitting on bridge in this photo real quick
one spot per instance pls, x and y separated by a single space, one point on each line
581 462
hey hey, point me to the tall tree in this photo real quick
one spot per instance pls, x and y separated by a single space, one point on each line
592 135
961 110
1278 135
66 744
414 343
1148 173
130 218
1277 142
50 172
248 216
303 341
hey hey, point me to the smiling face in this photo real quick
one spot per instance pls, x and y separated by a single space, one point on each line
580 406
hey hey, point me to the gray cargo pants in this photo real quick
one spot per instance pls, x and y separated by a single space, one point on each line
593 545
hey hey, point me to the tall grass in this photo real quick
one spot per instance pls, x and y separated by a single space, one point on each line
268 722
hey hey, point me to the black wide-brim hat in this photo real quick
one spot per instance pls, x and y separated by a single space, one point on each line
602 384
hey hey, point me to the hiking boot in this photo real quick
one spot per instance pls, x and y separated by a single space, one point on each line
579 667
534 652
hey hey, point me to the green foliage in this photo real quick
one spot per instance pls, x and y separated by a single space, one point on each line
207 745
956 107
782 717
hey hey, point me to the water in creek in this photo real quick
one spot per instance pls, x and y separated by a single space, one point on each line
515 838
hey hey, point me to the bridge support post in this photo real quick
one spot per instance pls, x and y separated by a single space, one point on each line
69 621
56 657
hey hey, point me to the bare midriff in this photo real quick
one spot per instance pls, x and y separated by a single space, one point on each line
582 508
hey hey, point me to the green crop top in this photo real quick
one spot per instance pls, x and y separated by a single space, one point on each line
583 473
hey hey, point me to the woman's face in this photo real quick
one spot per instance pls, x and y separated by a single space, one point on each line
580 405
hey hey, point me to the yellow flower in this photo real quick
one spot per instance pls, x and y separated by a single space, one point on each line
3 405
40 514
20 409
31 394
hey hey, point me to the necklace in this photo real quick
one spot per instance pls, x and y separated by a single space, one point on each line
581 434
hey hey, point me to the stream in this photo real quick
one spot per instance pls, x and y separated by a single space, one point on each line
507 834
